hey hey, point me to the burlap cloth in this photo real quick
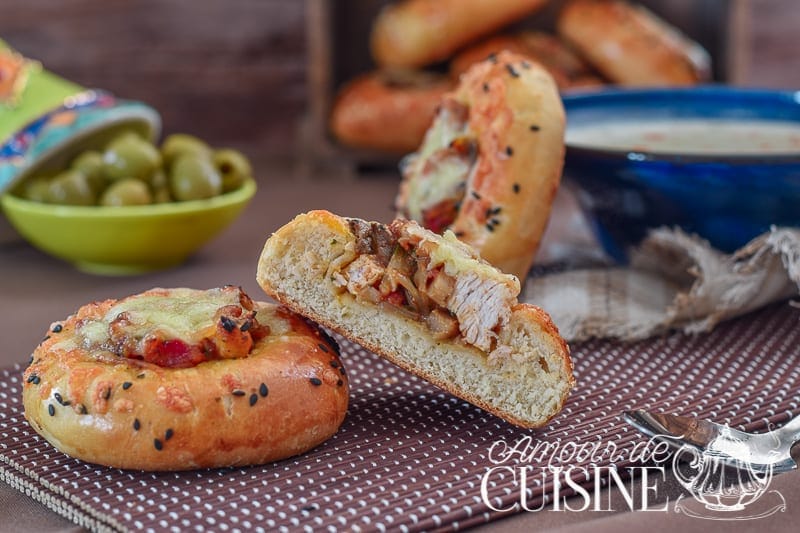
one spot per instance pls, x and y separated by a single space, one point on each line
674 281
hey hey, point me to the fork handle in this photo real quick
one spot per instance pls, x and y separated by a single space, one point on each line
791 429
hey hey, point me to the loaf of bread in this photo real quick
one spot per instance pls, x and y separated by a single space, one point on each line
387 111
632 46
415 33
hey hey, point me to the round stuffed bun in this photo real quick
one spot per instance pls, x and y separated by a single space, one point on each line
177 379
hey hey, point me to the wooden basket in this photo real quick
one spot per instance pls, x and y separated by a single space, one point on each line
338 50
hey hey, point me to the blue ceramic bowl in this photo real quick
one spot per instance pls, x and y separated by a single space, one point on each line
727 194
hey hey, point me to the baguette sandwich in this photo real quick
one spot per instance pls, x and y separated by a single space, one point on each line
428 304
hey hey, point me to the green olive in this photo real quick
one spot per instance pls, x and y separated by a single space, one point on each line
127 192
91 165
159 184
37 189
194 178
181 143
71 188
162 195
234 168
130 157
125 135
159 179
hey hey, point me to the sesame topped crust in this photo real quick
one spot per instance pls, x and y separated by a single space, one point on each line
262 383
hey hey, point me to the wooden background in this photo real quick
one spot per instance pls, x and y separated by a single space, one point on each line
234 71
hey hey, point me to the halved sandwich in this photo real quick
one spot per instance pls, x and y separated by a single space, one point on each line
428 304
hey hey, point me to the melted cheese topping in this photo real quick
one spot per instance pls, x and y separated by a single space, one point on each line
178 314
175 327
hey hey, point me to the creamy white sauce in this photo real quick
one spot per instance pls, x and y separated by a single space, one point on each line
690 136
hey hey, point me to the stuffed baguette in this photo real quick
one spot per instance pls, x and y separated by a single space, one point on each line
426 303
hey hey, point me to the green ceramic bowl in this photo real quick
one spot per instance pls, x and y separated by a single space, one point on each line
125 240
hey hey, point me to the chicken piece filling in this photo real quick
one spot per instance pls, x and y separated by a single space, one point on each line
392 268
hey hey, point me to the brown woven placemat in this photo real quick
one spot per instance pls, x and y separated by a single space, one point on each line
410 457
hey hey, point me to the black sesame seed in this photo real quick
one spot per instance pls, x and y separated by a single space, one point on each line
127 385
168 434
459 233
335 363
492 57
46 337
516 188
509 151
488 212
136 424
140 376
323 347
238 392
510 69
525 64
158 445
107 393
253 399
490 227
476 195
263 390
331 341
33 378
57 328
339 383
495 222
316 382
59 398
495 210
227 324
51 409
247 325
535 127
486 87
82 409
36 380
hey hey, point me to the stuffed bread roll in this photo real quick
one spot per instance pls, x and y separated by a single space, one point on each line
427 303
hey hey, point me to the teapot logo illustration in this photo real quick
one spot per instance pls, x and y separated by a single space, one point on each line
725 487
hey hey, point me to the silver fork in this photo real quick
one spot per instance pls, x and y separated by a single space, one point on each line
757 451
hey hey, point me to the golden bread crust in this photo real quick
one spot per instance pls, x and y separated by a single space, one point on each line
517 119
415 33
630 45
287 396
367 104
563 64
